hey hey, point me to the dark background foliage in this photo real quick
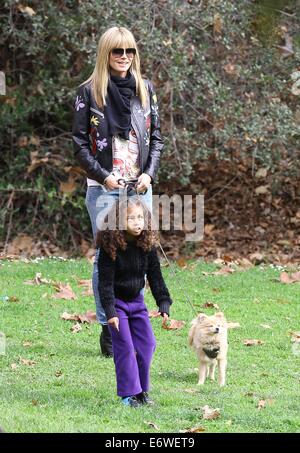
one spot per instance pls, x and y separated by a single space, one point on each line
223 73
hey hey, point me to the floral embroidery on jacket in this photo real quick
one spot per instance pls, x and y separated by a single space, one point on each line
101 144
94 120
79 104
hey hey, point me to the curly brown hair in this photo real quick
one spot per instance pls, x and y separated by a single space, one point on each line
112 234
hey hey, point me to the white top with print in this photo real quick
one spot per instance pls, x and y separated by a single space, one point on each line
125 158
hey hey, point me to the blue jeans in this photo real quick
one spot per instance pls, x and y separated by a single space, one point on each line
98 202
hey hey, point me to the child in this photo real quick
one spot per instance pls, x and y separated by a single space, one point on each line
126 257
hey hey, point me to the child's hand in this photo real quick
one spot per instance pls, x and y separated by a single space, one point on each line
165 316
114 322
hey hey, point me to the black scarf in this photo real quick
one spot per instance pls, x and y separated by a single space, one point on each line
117 110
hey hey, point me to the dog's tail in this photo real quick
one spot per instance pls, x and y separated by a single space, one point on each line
191 333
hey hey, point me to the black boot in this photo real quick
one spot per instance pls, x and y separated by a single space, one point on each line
106 342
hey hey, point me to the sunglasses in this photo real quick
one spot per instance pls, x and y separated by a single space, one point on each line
120 52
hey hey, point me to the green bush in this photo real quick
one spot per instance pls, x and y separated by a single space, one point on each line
223 85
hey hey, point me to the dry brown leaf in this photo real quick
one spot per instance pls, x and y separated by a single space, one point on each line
26 10
262 190
27 362
172 324
13 299
261 173
285 278
88 285
64 292
197 429
27 344
209 413
76 328
253 342
154 314
69 186
68 317
181 262
209 304
217 25
244 263
263 403
224 271
38 280
295 337
58 373
256 257
152 425
14 366
88 317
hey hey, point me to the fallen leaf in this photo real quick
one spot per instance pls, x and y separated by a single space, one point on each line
88 285
26 10
89 317
285 278
14 366
27 362
261 190
13 299
265 326
152 425
190 390
210 305
263 403
197 429
209 413
295 337
27 343
38 280
76 328
261 173
64 292
181 262
154 314
253 342
256 257
34 402
58 373
172 324
244 263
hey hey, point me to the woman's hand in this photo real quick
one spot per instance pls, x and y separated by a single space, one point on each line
114 322
112 183
144 181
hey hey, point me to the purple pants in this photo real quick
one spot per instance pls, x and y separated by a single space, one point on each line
133 347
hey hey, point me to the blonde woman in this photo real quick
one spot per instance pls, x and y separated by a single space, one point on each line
116 135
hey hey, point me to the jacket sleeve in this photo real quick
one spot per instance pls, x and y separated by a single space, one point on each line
106 272
156 143
157 284
81 141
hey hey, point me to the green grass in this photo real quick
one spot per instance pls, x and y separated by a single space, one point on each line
83 398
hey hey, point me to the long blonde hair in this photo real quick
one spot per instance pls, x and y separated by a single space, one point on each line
115 37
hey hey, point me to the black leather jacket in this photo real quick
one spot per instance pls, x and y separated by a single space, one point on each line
94 155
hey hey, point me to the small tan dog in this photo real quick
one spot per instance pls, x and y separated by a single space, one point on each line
208 336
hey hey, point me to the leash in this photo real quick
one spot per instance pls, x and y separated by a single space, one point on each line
131 187
178 281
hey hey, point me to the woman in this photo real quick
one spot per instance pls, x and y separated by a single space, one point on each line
116 134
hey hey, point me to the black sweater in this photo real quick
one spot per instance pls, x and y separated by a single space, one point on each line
125 277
